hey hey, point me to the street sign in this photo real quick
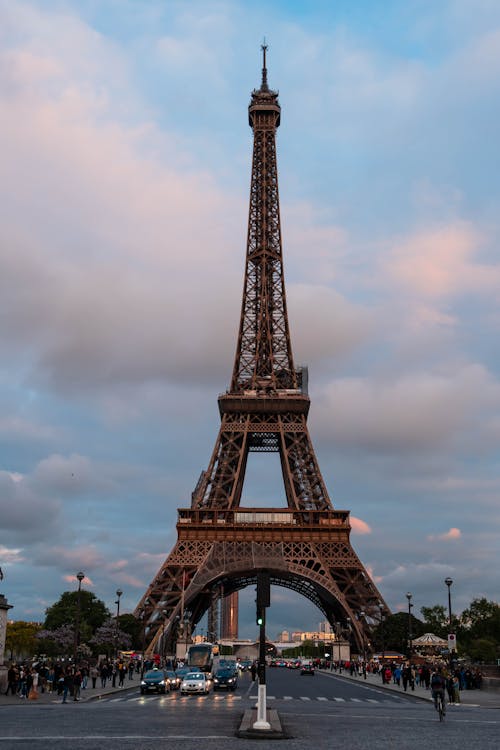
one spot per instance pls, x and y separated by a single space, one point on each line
452 641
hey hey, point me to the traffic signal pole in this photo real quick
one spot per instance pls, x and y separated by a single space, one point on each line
263 601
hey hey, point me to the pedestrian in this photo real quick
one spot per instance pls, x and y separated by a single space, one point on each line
94 673
12 678
77 683
67 684
103 671
253 671
456 690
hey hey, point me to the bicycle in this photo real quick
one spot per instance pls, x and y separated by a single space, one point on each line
440 705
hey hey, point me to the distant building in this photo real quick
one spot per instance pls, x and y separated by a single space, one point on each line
283 637
229 617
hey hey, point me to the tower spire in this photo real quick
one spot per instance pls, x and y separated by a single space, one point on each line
264 86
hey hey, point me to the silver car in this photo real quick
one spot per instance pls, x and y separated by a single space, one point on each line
195 682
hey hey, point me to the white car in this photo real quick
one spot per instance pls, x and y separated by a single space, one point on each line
195 682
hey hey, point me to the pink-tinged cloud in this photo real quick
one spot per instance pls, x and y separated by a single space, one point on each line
453 533
439 262
133 581
117 565
85 581
375 579
359 527
10 555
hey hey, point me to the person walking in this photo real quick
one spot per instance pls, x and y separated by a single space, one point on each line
253 671
12 677
94 673
67 684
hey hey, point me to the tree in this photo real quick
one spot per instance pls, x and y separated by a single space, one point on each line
93 612
484 649
392 634
133 627
21 639
57 642
436 620
109 638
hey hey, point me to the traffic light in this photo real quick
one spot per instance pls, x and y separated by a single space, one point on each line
263 590
261 615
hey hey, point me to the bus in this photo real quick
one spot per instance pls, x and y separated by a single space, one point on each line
201 656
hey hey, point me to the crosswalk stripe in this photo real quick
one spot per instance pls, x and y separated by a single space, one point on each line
321 698
339 700
371 700
287 698
304 698
356 700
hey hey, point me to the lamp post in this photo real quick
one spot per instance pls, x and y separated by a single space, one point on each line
80 576
119 592
410 605
382 634
448 581
361 616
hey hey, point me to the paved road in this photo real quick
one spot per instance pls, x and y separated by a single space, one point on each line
317 712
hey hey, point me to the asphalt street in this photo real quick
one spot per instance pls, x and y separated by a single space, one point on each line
324 711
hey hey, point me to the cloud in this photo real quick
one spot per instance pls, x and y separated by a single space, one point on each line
416 412
10 555
24 514
452 534
440 262
86 581
359 527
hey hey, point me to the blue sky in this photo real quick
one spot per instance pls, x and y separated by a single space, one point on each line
124 175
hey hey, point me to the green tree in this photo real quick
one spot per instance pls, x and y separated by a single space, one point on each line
436 620
93 612
21 639
392 633
481 618
484 649
133 627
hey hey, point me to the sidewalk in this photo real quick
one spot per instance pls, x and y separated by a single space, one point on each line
86 695
482 698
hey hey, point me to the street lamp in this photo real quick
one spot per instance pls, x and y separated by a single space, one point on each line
360 617
410 605
448 581
119 592
80 576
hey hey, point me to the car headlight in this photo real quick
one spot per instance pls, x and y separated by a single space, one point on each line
142 682
215 679
162 682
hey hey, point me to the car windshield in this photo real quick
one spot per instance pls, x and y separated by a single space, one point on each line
172 675
153 675
195 676
224 673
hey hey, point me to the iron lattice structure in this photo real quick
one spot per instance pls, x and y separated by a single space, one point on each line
221 546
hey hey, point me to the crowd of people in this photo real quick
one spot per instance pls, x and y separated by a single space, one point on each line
27 681
408 675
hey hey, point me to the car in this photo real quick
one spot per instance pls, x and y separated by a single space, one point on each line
183 671
245 665
174 680
195 682
155 680
225 678
307 668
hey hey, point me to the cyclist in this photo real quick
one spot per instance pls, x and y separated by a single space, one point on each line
438 687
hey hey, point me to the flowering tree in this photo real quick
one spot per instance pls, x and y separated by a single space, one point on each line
59 641
109 637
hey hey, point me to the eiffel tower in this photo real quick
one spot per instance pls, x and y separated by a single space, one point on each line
221 546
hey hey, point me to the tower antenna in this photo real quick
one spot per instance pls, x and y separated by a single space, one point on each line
264 86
